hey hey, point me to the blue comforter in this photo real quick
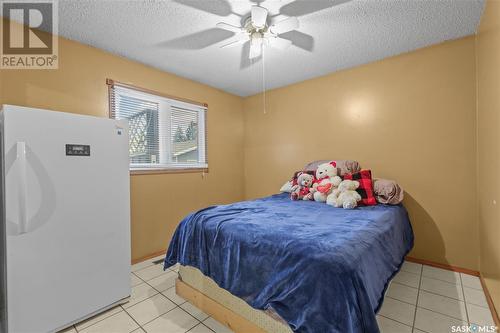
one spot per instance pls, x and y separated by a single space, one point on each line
322 269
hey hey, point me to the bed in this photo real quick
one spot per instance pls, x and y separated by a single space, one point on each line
319 268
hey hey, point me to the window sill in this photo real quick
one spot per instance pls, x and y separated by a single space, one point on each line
135 172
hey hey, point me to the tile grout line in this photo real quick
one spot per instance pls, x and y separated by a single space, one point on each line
201 323
135 321
440 280
418 294
397 321
396 299
155 288
125 309
434 293
442 314
426 291
176 306
154 277
142 326
207 326
465 301
402 284
192 315
431 292
114 314
158 292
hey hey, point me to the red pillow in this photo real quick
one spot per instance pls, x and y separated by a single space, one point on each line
365 189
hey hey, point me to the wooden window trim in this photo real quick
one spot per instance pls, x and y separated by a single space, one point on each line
112 83
138 172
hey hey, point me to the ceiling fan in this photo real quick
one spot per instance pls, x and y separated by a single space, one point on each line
256 30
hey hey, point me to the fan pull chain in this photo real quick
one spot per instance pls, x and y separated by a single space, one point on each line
264 79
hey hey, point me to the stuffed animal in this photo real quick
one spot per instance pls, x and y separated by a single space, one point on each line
301 191
327 181
345 196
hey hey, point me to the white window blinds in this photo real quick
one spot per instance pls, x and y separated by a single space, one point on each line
164 133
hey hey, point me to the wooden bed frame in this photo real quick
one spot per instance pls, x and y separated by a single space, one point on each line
216 310
240 324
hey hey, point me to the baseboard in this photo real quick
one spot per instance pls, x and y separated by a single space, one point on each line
219 312
491 305
443 266
149 256
493 310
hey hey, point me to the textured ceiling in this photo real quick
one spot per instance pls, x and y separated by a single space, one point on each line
176 35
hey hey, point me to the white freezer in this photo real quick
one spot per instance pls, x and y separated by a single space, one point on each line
66 217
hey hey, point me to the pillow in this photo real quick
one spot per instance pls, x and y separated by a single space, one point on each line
343 166
365 189
387 191
287 187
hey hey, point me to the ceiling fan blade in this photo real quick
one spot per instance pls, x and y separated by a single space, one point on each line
236 40
228 27
259 16
304 7
217 7
279 43
255 48
289 24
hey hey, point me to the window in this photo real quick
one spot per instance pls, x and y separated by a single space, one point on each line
164 133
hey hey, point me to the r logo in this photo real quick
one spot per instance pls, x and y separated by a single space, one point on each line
29 38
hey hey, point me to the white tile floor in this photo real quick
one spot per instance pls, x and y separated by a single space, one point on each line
153 307
419 299
422 298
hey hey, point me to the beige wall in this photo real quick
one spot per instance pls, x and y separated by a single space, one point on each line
409 118
488 123
158 202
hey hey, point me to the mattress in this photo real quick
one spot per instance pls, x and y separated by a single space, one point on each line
268 320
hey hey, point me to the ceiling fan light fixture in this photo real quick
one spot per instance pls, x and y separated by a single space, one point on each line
255 47
256 30
259 17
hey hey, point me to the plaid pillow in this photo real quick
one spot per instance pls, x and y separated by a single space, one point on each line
365 189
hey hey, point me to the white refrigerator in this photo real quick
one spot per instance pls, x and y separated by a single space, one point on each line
65 232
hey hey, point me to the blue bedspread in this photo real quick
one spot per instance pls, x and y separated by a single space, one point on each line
322 269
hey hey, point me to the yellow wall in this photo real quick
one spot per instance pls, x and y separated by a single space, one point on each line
409 118
488 123
158 202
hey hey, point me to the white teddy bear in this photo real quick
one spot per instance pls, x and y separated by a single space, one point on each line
326 174
346 195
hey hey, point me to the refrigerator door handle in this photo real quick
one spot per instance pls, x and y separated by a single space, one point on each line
21 166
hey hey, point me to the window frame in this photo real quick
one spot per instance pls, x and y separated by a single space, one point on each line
163 169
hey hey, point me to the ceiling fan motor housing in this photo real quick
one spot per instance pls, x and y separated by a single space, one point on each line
251 29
